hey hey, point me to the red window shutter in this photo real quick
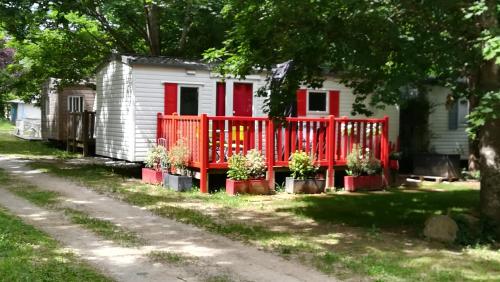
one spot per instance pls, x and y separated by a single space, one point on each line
220 106
334 102
301 102
170 98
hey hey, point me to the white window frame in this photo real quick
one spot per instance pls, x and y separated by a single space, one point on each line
327 101
81 104
179 87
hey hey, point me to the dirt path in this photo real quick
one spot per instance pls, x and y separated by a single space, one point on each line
216 255
122 264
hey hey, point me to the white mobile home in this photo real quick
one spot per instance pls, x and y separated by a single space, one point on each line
447 124
131 90
26 117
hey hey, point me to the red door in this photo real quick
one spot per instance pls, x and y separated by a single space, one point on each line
242 99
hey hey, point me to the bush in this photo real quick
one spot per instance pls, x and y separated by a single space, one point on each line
179 156
238 167
354 161
301 165
359 164
157 158
256 164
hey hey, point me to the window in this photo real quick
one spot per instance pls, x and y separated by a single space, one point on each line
188 101
463 111
75 104
317 101
457 114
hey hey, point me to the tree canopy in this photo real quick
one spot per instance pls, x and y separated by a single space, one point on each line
377 48
68 39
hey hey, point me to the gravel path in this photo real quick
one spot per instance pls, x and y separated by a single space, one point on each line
215 255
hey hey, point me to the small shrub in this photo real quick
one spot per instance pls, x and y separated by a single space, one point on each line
157 158
302 165
371 165
256 164
359 164
179 156
354 161
238 167
395 155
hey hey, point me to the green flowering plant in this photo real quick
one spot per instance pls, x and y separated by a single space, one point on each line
359 164
179 156
256 164
238 167
157 158
302 165
355 161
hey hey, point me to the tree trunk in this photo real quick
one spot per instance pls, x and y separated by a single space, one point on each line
153 28
489 141
473 160
186 26
490 173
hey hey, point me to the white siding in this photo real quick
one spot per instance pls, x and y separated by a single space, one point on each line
114 112
128 99
148 85
347 99
443 140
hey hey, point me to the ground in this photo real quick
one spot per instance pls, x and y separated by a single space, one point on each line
360 236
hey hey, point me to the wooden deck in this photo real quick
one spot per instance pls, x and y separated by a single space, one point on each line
80 132
213 139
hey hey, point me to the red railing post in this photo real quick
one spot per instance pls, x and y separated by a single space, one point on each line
330 142
158 126
385 149
270 153
204 153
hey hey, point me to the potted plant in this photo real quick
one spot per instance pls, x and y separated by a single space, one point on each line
394 158
256 165
237 175
303 175
178 159
364 171
155 160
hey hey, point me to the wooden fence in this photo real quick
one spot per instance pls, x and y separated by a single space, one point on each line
214 139
80 131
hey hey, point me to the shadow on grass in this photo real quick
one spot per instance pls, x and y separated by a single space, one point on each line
391 209
11 145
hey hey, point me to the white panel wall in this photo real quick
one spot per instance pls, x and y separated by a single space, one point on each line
31 111
114 112
148 84
444 140
128 99
347 99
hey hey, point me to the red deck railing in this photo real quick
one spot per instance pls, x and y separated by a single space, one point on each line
213 139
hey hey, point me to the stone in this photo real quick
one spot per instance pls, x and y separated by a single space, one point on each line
441 228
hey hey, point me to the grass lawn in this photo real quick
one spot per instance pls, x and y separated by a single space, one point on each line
27 254
5 125
13 146
350 235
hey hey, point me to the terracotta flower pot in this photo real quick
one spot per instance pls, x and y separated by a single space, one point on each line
367 182
152 176
234 187
258 186
305 186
